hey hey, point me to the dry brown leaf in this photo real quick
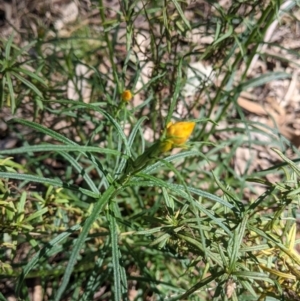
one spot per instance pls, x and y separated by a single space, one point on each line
252 107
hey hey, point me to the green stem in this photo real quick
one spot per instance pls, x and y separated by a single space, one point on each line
220 93
109 46
200 284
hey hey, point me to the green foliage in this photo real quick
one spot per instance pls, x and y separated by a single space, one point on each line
16 72
94 208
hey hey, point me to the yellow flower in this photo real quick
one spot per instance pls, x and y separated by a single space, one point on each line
126 96
179 132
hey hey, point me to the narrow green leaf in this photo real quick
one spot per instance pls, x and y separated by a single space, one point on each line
28 83
43 253
222 255
253 275
31 74
229 193
197 286
115 257
36 214
81 171
254 248
149 231
106 177
210 196
135 130
47 181
11 92
161 240
120 165
225 35
236 240
124 282
93 281
295 167
2 91
169 200
22 52
59 148
176 188
262 80
21 205
249 287
8 47
171 158
217 221
174 97
103 200
104 113
178 7
44 130
214 257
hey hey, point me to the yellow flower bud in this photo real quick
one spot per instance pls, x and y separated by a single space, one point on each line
179 132
126 96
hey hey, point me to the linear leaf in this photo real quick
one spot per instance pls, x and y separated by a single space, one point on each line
81 171
224 36
197 286
59 148
94 282
236 242
44 130
294 166
176 188
108 116
248 286
253 275
36 214
28 83
120 165
31 74
42 254
8 47
262 79
115 257
135 130
174 97
217 221
102 201
175 157
209 196
177 5
11 92
53 182
180 189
